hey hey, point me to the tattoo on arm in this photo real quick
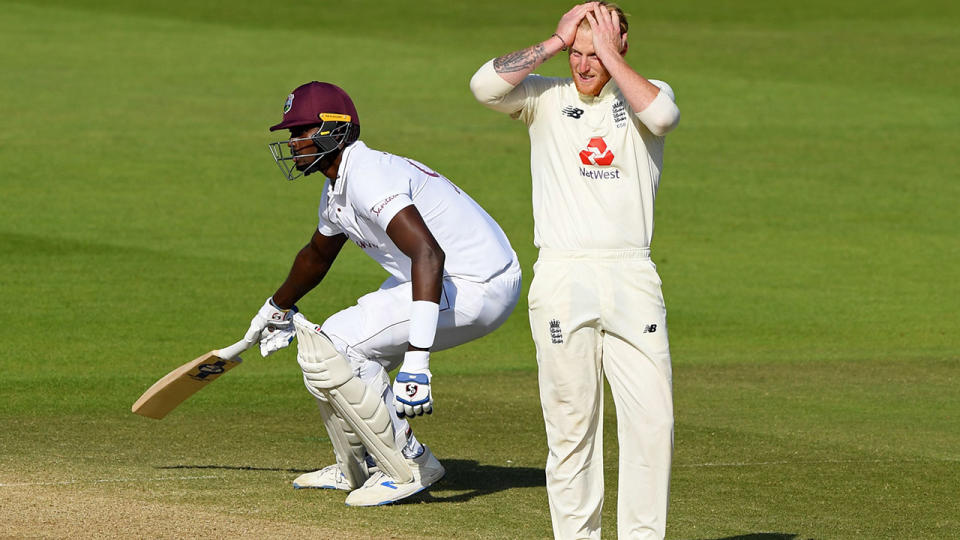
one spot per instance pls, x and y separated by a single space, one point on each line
528 58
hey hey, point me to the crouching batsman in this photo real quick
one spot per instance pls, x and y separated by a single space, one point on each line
453 278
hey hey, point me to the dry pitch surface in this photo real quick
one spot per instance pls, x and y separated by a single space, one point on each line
71 511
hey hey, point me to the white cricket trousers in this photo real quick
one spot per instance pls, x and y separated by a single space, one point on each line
596 312
378 326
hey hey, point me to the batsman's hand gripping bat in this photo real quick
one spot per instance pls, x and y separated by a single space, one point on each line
175 387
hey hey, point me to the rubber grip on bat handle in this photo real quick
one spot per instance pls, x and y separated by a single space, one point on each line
234 350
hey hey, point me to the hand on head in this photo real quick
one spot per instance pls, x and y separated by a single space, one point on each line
567 27
605 25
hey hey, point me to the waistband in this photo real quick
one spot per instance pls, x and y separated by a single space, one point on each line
550 254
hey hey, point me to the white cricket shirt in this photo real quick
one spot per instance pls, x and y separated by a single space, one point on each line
372 186
595 165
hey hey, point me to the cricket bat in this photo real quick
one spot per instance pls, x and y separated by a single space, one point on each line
175 387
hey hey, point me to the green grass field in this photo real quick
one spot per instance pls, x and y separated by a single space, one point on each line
807 237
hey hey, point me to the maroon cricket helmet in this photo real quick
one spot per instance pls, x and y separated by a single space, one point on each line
316 103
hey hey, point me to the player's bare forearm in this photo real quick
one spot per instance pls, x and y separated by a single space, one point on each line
638 91
515 66
309 268
409 232
427 274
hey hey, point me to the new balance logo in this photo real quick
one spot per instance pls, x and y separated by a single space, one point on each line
572 112
649 329
556 335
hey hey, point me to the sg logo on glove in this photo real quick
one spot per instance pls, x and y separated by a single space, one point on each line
411 393
272 327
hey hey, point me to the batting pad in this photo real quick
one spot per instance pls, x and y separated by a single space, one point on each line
347 446
353 402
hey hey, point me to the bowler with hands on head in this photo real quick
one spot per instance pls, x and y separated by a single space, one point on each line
595 303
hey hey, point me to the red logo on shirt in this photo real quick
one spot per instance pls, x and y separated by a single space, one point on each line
383 204
596 153
422 168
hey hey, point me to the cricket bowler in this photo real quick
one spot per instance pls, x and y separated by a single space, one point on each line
595 303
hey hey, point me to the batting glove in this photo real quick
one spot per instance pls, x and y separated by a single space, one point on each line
272 327
411 389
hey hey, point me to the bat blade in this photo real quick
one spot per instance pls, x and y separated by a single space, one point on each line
178 385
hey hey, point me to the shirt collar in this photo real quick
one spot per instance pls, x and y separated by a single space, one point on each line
340 185
608 90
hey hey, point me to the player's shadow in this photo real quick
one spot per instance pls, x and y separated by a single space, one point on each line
760 536
232 468
476 480
463 475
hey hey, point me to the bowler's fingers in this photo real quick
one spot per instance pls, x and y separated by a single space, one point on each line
567 27
608 19
606 26
577 12
579 9
603 18
592 20
595 27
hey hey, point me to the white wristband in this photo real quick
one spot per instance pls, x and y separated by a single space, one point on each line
423 323
416 361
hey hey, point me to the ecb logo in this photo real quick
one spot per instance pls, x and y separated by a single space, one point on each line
596 153
556 334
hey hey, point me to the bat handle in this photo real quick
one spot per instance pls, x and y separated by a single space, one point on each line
234 350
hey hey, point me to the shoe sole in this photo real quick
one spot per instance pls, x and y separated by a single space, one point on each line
407 496
298 486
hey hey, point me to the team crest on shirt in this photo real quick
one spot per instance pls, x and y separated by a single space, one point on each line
619 113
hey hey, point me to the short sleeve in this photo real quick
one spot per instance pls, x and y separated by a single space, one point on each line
378 192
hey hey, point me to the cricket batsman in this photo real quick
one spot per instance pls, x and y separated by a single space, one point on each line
453 278
595 303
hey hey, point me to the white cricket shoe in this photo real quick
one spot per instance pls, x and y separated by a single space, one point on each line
381 489
329 477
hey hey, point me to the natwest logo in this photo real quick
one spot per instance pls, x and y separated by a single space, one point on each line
596 153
